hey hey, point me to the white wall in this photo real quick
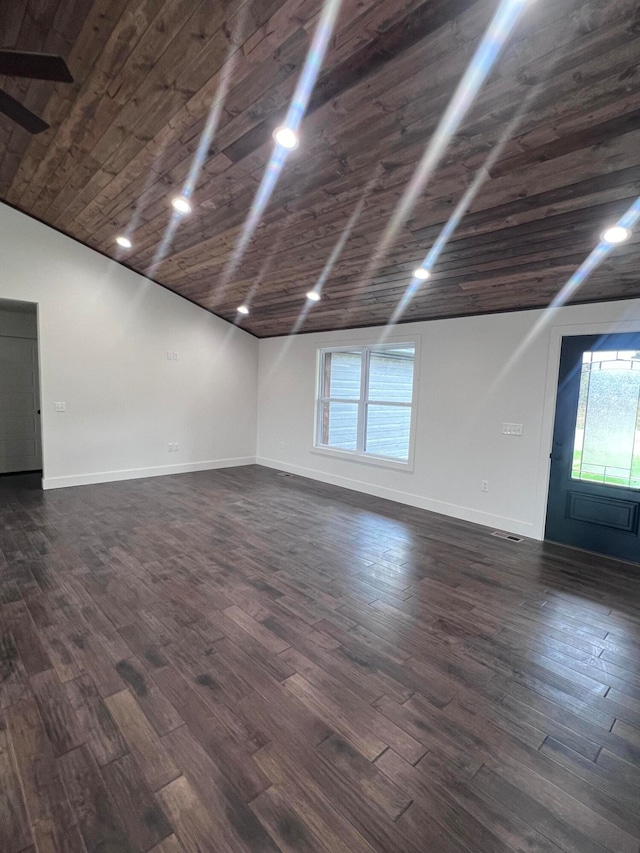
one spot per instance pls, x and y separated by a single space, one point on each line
463 401
104 333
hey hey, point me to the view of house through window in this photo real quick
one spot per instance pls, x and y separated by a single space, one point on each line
365 396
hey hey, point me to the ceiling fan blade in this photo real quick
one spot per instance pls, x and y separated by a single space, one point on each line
24 117
36 66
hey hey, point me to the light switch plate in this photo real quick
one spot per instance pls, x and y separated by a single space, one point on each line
512 429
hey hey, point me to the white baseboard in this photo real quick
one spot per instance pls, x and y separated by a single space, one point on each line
137 473
511 525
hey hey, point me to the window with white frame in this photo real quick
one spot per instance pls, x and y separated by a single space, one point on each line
365 401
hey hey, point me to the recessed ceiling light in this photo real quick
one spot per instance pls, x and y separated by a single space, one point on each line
242 309
616 234
123 242
421 274
287 137
181 204
313 296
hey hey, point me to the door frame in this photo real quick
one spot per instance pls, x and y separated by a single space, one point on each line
556 333
40 394
38 376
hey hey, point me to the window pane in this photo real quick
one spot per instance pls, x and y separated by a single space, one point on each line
606 446
340 425
391 375
342 375
388 429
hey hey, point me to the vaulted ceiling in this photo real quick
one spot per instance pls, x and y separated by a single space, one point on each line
558 118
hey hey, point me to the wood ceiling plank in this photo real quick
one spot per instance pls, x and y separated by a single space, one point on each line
124 135
254 108
189 122
35 24
513 236
96 110
125 36
162 93
325 243
96 27
91 65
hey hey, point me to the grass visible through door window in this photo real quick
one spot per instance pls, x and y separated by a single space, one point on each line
607 438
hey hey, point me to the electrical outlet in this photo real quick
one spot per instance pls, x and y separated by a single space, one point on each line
484 485
60 407
170 447
175 356
169 355
176 446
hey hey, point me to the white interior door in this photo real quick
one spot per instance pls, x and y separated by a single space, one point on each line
20 448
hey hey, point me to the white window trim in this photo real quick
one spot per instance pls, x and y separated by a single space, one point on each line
356 455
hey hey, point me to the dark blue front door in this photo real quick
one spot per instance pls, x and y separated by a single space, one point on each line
594 488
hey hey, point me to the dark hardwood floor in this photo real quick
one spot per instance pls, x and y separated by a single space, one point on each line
238 661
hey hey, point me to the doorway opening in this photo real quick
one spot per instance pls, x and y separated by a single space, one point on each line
594 485
20 428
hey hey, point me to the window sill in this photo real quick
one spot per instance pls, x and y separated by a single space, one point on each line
365 459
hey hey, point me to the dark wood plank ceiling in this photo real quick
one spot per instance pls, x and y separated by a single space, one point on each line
124 134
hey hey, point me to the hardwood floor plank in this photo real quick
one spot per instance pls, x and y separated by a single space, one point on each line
269 640
100 824
30 649
228 742
566 834
366 818
357 732
290 832
365 776
214 788
565 735
299 674
157 708
140 813
96 663
94 721
196 827
591 772
513 831
13 676
51 818
15 834
169 845
57 713
156 764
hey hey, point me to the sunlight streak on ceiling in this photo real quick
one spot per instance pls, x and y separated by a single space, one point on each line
483 60
295 114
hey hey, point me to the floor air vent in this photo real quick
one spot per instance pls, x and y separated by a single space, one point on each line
501 534
284 474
